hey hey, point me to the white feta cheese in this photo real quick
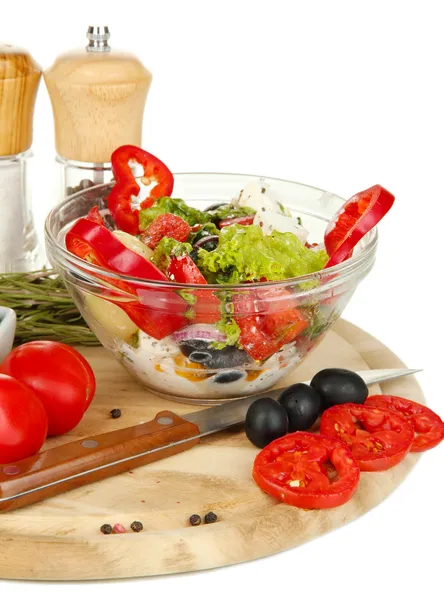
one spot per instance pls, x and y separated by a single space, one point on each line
273 221
257 195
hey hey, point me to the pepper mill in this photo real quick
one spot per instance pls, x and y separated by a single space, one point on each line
98 98
19 82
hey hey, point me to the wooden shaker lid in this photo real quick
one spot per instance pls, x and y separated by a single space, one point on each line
19 82
98 100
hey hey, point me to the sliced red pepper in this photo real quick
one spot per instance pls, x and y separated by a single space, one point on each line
166 225
126 186
353 220
247 220
428 426
182 269
95 216
379 439
159 316
307 470
268 319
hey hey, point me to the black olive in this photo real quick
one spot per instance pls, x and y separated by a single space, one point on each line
302 404
194 255
265 421
215 206
228 376
209 243
200 351
339 386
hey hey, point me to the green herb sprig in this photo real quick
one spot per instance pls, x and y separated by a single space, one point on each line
44 308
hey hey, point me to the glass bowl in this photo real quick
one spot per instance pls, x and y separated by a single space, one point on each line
187 362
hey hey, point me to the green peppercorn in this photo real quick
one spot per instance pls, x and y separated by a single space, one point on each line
210 517
195 520
115 413
106 529
136 526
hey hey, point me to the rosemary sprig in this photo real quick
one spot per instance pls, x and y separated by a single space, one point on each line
45 310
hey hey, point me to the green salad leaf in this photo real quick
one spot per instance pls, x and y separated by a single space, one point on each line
246 254
175 206
166 248
230 212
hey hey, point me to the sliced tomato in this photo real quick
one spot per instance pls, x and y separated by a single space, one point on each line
379 439
247 220
353 220
428 426
182 269
166 225
307 470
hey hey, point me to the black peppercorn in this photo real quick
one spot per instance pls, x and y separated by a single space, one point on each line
136 526
210 517
106 529
195 520
115 413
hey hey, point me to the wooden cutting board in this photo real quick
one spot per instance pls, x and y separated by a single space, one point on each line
60 538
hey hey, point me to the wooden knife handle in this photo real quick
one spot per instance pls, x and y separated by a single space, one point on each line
78 463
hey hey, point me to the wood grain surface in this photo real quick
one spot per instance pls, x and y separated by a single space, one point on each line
19 82
98 100
60 538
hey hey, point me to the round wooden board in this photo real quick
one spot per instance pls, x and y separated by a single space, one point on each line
60 539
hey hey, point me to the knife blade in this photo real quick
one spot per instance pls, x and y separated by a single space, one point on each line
84 461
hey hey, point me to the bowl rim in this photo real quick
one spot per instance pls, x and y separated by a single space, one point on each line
344 269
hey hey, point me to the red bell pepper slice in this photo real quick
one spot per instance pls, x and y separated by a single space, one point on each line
353 220
307 470
166 225
96 244
95 216
182 269
126 186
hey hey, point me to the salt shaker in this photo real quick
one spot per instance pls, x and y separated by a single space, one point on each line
19 82
98 98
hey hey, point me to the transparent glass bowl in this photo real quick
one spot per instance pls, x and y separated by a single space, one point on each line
185 366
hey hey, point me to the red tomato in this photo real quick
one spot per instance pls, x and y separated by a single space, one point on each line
166 225
23 421
428 427
353 220
379 439
248 220
59 376
307 470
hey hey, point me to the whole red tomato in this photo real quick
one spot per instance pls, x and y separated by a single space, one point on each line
59 376
23 421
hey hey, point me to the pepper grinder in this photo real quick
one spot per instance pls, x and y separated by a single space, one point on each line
98 98
19 82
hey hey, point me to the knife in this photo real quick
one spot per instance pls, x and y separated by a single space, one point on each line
78 463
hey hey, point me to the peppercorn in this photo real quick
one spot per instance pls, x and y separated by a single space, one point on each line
210 517
115 413
195 520
119 528
106 529
136 526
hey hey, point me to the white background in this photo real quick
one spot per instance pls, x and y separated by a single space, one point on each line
336 94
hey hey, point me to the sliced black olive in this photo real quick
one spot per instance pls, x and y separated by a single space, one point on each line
215 206
200 351
229 376
265 421
209 243
339 386
194 255
303 406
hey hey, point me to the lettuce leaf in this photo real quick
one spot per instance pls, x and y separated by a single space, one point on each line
246 254
166 248
175 206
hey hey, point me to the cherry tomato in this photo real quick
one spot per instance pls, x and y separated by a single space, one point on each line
59 376
166 225
353 220
23 421
428 426
379 439
247 220
307 470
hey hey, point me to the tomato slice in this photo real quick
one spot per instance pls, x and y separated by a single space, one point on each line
247 220
353 220
428 426
182 269
166 225
307 470
378 438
